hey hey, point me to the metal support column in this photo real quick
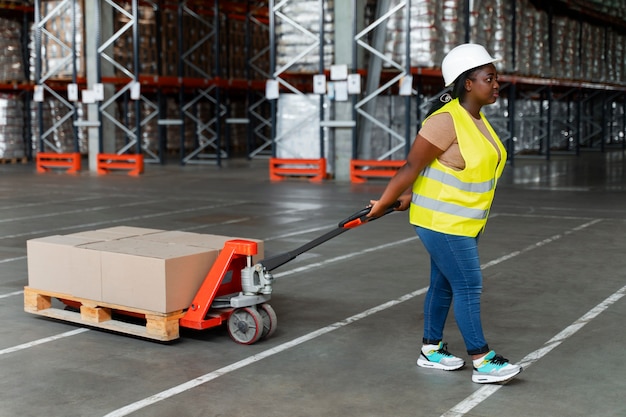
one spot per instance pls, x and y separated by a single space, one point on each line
259 142
202 110
128 97
366 106
48 136
278 16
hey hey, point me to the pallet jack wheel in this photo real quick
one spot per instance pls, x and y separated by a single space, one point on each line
245 325
270 321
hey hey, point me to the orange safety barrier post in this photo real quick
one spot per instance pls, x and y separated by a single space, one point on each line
313 168
107 162
49 160
360 169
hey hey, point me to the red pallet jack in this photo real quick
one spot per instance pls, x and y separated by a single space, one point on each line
237 292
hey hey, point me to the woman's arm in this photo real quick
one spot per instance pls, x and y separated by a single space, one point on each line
422 153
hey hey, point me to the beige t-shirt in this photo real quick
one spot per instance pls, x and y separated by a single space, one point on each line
439 130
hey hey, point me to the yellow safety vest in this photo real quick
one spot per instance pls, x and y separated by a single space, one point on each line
458 202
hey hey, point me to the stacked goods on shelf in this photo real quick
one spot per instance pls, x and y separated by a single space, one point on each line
61 139
489 26
56 45
235 55
298 127
450 25
300 113
616 56
18 2
425 39
139 268
436 27
11 105
123 52
11 57
169 41
199 38
150 127
565 52
290 41
532 48
11 126
197 43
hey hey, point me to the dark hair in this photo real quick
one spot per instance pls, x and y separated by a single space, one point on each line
457 91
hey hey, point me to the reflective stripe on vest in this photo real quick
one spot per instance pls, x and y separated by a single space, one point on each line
472 187
449 208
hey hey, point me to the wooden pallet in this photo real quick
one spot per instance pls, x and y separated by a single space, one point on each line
158 326
21 160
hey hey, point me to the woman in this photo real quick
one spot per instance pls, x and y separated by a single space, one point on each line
448 182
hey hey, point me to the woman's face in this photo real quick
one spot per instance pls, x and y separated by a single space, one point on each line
483 84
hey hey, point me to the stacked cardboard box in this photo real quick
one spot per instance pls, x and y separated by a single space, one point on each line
56 43
11 59
149 269
291 41
62 137
148 52
11 126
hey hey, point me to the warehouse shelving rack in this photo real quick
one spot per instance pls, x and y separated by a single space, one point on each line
195 87
22 88
300 84
51 82
107 112
259 141
595 116
364 162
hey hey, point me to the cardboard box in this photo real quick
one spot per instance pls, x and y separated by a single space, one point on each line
201 240
113 233
61 264
154 276
135 267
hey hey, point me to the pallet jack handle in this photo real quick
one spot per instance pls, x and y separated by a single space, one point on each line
355 220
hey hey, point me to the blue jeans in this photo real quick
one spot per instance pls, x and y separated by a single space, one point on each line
455 276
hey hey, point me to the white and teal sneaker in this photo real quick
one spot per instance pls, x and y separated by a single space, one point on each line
493 368
438 357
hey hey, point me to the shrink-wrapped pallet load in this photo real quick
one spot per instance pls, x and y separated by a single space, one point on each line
11 126
290 41
11 57
57 41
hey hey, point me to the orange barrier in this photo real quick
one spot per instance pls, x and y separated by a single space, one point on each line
314 168
107 162
48 160
360 169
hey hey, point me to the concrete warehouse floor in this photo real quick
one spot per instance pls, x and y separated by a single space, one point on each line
349 311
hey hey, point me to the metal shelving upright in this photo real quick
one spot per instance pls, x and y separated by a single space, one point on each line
47 82
365 107
127 87
207 144
294 82
21 87
259 143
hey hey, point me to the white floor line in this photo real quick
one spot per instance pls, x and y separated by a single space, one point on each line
107 222
486 391
42 341
11 294
309 266
81 210
12 259
124 411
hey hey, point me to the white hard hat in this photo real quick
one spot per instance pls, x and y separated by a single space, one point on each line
462 58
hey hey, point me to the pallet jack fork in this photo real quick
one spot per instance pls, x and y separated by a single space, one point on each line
237 292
